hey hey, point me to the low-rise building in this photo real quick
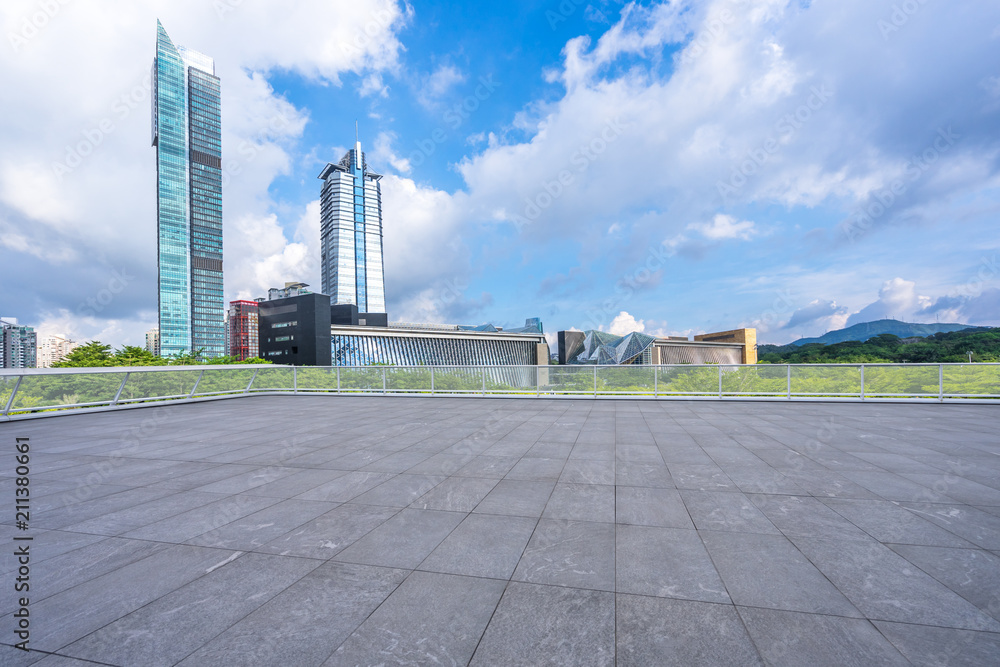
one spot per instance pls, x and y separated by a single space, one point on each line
738 346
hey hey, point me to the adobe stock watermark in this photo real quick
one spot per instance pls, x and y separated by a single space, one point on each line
31 25
883 200
579 162
381 20
901 14
786 126
104 297
711 31
562 12
223 7
95 135
626 286
454 117
988 271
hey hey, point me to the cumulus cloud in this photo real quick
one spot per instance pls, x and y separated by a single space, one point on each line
724 227
624 324
897 299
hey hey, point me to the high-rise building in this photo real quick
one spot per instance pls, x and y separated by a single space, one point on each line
243 323
52 349
351 233
153 341
186 118
17 345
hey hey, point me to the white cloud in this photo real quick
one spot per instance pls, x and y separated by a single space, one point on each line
438 84
724 227
897 299
624 324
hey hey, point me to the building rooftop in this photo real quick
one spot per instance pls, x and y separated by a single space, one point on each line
338 530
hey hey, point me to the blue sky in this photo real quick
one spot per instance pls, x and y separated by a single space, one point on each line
673 167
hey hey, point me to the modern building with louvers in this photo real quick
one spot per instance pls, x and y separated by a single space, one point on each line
403 344
738 346
186 129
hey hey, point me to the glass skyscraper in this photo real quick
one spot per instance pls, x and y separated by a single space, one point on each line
351 233
186 120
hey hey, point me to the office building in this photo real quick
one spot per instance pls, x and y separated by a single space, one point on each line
351 233
186 131
52 349
153 341
295 329
17 345
606 349
243 326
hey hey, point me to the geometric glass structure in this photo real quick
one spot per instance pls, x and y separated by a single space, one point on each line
351 233
607 349
187 134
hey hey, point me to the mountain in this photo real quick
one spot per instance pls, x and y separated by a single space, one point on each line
866 330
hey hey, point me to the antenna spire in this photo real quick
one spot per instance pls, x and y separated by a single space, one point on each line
356 135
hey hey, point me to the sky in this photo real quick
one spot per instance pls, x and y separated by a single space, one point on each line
675 168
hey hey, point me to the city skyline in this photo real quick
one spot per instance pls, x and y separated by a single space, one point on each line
666 168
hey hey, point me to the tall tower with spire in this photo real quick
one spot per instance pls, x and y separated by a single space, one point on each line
186 128
351 233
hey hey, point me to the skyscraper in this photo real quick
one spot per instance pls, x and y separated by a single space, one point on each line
17 345
351 233
186 119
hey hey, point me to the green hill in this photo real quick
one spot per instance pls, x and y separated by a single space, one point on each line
943 347
866 330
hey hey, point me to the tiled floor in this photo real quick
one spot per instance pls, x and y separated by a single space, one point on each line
390 530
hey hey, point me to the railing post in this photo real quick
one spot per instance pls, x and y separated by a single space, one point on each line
941 382
595 381
656 381
10 399
197 382
255 371
538 381
720 380
120 388
484 380
295 379
383 379
862 382
338 379
432 380
789 366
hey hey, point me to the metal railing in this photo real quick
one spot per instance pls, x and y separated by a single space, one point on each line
31 391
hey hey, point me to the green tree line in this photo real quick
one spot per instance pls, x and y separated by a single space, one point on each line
941 348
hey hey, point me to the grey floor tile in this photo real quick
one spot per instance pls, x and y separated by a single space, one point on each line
650 506
793 639
885 586
588 471
633 473
296 483
44 545
330 533
537 470
493 467
768 571
304 624
972 524
404 540
516 497
558 626
972 573
196 612
581 502
399 491
725 510
700 477
888 522
666 562
483 545
806 517
430 619
184 526
661 631
891 486
346 487
942 647
15 657
255 530
456 494
132 518
570 553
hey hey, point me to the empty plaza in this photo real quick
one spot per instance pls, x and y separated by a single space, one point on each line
389 530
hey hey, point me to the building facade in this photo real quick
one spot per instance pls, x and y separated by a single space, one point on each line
243 323
52 349
17 345
351 233
153 341
186 131
606 349
295 330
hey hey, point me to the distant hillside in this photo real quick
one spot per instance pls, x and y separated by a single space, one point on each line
942 347
866 330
